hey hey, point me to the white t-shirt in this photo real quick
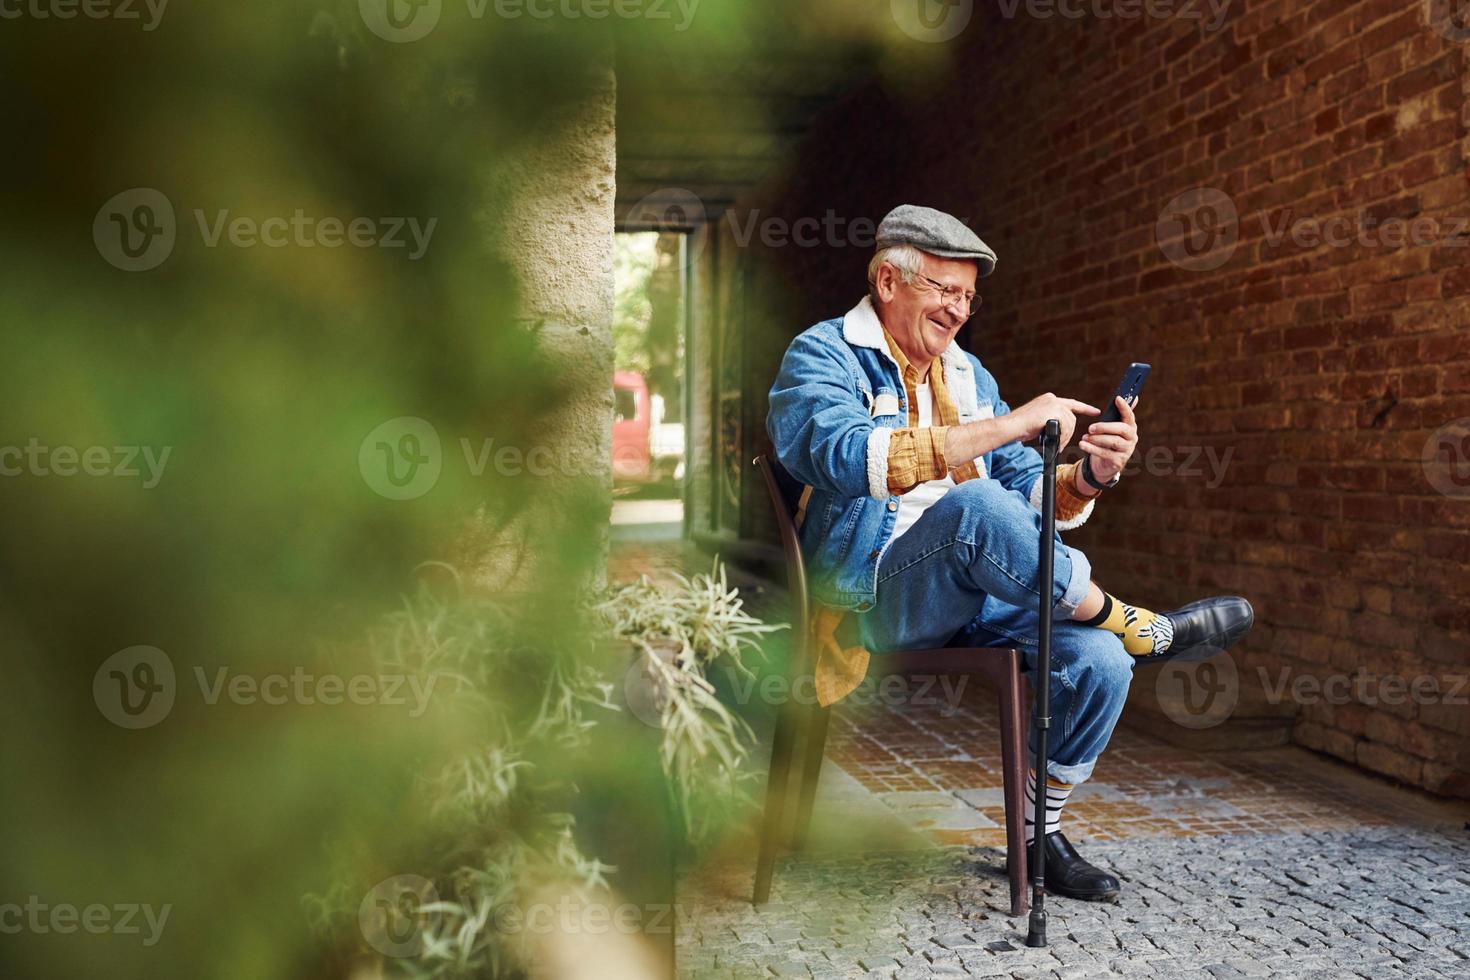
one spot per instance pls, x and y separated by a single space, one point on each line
912 505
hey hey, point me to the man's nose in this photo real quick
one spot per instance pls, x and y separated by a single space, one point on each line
951 318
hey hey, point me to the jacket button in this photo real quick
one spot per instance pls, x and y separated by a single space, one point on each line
872 555
893 505
864 606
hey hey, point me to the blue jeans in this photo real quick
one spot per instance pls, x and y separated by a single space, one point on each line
966 574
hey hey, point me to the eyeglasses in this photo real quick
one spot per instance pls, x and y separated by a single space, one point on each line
965 302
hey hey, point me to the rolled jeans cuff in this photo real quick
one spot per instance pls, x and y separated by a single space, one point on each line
1078 586
1072 775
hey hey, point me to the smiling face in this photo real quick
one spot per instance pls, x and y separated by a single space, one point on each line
914 312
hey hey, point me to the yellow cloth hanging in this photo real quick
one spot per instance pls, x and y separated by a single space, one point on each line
839 669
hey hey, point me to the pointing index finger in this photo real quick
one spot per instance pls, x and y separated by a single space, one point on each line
1081 408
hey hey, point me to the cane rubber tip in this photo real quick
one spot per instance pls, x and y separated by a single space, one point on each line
1036 935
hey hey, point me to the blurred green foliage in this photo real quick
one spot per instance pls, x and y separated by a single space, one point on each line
261 549
634 259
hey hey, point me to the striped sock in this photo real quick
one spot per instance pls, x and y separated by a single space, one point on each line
1056 798
1143 631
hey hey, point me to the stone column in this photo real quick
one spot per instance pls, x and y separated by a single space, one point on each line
549 214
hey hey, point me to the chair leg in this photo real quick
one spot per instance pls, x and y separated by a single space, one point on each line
814 751
1013 765
788 719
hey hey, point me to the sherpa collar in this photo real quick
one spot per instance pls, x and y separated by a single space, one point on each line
862 328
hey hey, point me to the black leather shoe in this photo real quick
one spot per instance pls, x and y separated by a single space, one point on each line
1206 627
1068 875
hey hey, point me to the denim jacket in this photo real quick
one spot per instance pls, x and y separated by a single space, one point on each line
826 428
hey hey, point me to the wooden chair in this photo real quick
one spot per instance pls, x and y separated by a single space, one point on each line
1002 667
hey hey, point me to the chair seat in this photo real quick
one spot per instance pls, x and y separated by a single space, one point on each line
808 723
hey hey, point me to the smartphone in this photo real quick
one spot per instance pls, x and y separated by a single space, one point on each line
1128 388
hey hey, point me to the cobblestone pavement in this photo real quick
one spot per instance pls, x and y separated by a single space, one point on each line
1275 862
1387 902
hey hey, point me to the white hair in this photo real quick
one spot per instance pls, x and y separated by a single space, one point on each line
907 259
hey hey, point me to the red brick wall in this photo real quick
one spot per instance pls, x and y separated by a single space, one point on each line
1322 371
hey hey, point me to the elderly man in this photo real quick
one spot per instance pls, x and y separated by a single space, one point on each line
923 508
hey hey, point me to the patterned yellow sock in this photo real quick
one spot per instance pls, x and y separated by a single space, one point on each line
1142 631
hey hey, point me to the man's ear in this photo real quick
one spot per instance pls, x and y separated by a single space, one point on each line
887 282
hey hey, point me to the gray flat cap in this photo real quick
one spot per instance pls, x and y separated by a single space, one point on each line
936 233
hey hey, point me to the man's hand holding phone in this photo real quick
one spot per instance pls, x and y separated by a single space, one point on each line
1111 444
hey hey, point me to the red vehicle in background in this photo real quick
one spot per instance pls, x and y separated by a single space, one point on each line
645 449
632 462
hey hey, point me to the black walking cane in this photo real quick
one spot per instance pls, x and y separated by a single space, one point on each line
1041 716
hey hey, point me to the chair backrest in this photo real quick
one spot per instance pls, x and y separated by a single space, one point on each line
785 492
